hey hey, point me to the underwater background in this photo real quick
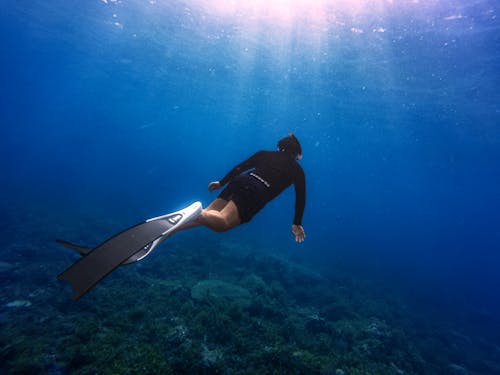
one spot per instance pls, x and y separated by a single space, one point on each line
114 111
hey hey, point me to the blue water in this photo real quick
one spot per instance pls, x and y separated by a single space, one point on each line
127 109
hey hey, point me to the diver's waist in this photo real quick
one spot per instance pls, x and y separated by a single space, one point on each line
256 176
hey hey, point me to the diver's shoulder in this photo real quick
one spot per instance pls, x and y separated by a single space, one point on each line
267 153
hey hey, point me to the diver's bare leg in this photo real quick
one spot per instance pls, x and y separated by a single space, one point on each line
217 204
220 221
212 212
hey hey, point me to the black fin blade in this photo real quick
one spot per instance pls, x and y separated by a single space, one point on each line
98 263
83 250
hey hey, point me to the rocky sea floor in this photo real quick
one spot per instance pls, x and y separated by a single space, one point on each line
213 306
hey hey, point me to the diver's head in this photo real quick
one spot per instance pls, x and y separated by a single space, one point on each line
291 145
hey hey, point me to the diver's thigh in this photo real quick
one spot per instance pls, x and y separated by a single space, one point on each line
231 214
217 204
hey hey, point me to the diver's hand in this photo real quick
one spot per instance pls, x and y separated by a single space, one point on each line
214 186
298 232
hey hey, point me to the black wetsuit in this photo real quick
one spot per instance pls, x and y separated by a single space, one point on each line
268 174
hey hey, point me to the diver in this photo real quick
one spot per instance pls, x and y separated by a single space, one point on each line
268 173
250 186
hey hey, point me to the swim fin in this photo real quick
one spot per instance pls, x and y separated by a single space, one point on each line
83 250
131 245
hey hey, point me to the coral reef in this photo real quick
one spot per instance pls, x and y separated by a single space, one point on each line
237 311
210 289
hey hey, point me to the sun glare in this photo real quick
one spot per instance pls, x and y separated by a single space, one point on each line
287 12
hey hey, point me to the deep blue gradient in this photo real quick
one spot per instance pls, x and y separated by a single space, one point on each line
128 109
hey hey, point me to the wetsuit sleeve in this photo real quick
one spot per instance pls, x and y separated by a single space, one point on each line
300 196
242 167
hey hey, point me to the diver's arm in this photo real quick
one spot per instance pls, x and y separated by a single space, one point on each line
300 203
215 185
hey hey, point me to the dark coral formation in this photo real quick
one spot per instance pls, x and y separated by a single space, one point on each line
215 308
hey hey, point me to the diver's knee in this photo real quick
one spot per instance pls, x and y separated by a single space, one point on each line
224 227
215 221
